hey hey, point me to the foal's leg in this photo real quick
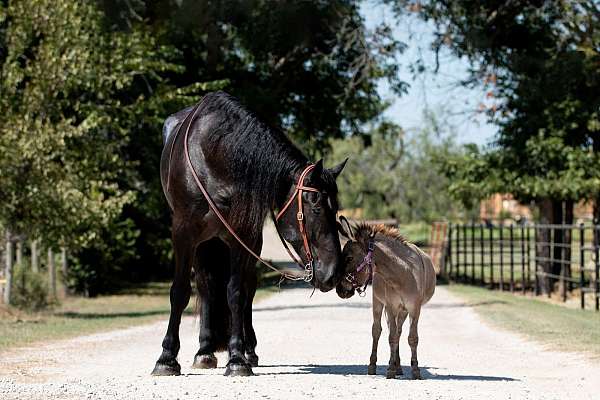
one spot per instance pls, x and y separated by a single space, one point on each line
236 299
394 339
249 334
413 341
399 322
376 333
180 296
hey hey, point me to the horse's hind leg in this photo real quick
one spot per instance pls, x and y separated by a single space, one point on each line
376 333
399 322
180 296
413 341
212 268
249 334
394 340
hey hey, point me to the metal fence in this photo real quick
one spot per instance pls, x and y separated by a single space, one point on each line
559 260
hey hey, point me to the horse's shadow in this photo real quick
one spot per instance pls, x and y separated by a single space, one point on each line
381 370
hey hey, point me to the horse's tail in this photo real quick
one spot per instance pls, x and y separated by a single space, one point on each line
211 281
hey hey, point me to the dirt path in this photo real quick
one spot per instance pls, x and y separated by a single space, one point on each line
309 347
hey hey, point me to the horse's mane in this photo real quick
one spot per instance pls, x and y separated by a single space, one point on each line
363 231
261 160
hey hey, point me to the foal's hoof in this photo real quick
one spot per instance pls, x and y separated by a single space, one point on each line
161 369
390 374
238 370
372 370
252 359
205 361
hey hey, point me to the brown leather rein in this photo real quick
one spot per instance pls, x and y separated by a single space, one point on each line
300 188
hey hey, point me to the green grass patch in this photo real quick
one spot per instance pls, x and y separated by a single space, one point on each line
80 316
560 328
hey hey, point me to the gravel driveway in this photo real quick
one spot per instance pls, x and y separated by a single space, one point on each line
309 348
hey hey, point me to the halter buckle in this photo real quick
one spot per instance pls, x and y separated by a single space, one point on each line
300 216
308 272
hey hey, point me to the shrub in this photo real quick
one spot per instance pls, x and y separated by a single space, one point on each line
29 289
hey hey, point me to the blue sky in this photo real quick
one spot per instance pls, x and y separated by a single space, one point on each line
439 92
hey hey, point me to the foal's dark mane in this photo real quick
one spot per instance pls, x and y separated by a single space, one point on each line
363 231
261 160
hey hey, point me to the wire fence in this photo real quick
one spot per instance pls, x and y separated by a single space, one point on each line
551 260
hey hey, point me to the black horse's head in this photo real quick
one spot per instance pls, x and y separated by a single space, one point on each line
319 223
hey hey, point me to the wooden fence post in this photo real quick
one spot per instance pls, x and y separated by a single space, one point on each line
582 264
492 263
35 256
472 253
523 259
449 258
465 253
64 269
9 267
511 231
501 257
482 253
457 274
51 273
597 266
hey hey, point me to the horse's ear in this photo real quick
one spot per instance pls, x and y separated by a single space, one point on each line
337 170
342 231
318 170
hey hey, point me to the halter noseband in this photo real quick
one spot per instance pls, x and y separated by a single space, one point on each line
366 262
308 267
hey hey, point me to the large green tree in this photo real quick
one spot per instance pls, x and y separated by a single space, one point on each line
539 60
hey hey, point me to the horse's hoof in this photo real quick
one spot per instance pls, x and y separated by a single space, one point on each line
416 374
391 374
161 369
205 361
238 370
252 359
399 371
372 370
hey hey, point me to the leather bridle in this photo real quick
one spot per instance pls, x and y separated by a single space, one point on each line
300 188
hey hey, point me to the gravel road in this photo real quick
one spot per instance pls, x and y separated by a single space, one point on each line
309 348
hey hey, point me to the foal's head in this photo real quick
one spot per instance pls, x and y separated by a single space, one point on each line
352 256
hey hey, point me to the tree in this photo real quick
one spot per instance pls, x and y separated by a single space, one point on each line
395 174
539 61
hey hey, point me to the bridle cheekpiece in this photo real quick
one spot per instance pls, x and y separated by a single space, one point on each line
367 262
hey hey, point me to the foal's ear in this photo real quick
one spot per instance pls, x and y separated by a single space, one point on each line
346 230
337 170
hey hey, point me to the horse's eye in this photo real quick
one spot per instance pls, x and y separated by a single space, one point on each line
349 258
316 210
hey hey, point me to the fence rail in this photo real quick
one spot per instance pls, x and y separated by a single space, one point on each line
536 258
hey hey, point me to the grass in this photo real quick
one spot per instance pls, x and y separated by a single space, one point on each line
558 327
79 316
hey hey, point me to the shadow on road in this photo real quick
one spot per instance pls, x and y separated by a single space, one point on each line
311 306
381 369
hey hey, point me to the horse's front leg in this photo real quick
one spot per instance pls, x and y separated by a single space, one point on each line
249 334
236 299
180 296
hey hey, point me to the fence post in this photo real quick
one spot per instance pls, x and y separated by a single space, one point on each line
449 258
582 264
597 265
64 269
19 253
528 271
501 257
523 259
472 253
9 267
482 252
492 265
35 256
535 262
51 273
466 253
511 231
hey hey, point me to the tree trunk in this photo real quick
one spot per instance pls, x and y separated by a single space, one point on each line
19 253
542 246
9 267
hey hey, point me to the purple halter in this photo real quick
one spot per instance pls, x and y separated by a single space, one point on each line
367 262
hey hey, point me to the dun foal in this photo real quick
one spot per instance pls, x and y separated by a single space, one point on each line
403 279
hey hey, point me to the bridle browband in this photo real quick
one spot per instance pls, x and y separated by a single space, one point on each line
300 188
366 262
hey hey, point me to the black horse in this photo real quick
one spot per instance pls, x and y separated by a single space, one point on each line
249 170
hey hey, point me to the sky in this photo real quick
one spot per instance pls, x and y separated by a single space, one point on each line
439 92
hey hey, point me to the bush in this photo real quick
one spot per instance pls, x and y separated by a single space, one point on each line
29 289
